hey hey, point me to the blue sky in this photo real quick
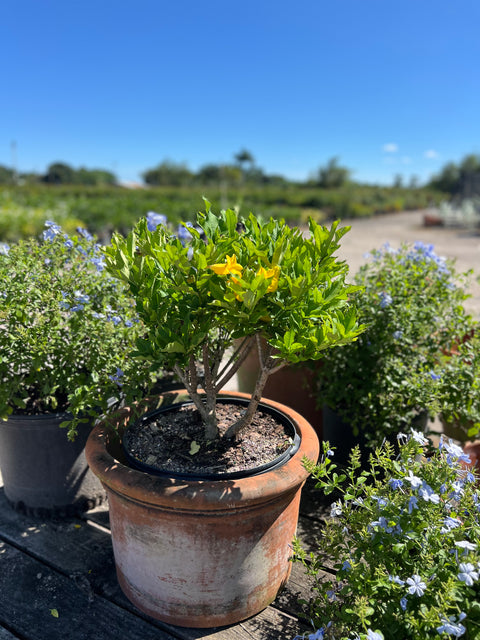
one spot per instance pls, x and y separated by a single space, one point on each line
389 86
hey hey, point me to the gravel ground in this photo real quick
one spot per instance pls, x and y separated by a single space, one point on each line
371 233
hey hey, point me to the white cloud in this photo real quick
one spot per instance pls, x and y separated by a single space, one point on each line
431 154
390 147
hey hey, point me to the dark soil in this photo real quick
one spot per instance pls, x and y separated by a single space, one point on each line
174 442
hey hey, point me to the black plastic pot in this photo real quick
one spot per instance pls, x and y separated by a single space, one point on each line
44 474
277 462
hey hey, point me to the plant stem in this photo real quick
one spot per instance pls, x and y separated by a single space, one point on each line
267 366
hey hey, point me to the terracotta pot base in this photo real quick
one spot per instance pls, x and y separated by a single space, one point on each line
201 553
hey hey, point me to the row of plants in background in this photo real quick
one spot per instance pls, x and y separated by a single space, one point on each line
103 210
416 359
401 546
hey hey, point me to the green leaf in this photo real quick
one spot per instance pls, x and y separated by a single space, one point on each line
194 448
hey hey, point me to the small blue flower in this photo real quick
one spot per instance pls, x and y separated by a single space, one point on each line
397 334
83 232
396 580
403 604
412 504
336 509
434 376
396 483
4 249
51 231
427 493
385 300
417 586
154 219
467 574
452 626
117 377
450 523
418 437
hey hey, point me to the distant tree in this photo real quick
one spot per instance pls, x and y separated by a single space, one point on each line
209 173
470 176
398 181
414 182
168 173
29 178
459 180
96 177
333 176
244 159
60 173
7 176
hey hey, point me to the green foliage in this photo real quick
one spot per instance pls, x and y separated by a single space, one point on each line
462 179
412 302
333 176
104 209
458 389
67 329
403 543
232 279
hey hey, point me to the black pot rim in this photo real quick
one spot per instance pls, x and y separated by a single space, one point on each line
231 475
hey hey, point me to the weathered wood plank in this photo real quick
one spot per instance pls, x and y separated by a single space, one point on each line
83 553
38 603
6 635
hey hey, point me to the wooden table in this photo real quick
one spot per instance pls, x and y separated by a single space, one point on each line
57 581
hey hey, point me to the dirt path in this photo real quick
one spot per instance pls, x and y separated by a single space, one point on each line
371 233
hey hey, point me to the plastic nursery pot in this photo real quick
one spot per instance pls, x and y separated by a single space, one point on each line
45 474
201 553
149 417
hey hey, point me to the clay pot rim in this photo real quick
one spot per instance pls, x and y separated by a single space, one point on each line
213 495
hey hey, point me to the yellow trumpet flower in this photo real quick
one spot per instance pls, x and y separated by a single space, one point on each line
273 273
231 266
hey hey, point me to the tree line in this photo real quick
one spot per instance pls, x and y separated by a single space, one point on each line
462 179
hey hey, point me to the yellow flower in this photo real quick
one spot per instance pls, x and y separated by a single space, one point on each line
273 273
230 266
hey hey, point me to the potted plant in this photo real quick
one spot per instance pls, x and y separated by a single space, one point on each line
66 329
412 301
402 545
208 544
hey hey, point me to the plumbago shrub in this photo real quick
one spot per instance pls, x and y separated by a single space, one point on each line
404 542
67 328
226 279
411 300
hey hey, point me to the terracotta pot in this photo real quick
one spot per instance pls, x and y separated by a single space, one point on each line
201 553
44 474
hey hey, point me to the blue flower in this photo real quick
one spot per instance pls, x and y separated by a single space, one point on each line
467 574
335 509
83 232
434 376
412 504
396 483
4 249
452 626
427 493
154 219
417 586
385 299
396 580
403 603
397 334
117 377
450 523
51 231
418 437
